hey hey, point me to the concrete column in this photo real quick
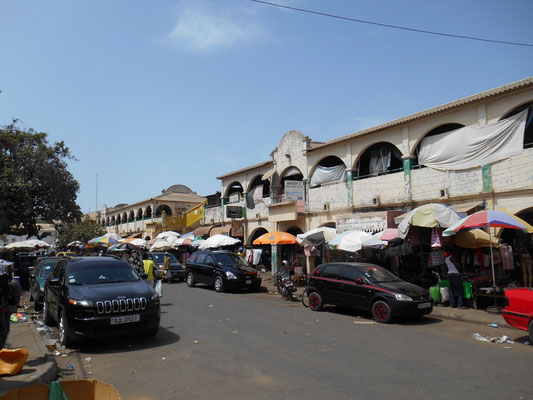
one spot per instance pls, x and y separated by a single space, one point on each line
407 166
275 259
223 202
349 186
306 194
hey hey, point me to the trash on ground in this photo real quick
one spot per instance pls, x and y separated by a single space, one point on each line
493 325
87 388
18 317
365 322
88 359
70 367
503 339
196 342
12 361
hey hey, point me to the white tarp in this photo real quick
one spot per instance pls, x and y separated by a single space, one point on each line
328 174
474 146
218 241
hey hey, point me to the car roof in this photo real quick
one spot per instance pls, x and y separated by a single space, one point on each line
352 264
81 262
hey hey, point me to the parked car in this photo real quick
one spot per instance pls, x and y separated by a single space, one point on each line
66 254
38 275
92 297
518 311
367 287
221 269
176 268
23 263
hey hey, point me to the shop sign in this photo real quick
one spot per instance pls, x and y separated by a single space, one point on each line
362 222
294 190
233 212
237 229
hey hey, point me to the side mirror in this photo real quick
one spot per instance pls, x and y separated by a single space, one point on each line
55 282
359 281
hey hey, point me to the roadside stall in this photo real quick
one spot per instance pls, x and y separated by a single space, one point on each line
314 244
283 247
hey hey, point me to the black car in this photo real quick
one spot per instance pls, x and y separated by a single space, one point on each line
221 269
177 269
38 275
367 287
23 264
90 297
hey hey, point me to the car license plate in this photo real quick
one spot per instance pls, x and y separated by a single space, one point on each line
424 305
125 319
248 281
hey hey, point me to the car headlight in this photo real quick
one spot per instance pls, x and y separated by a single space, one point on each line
82 303
231 275
402 297
155 296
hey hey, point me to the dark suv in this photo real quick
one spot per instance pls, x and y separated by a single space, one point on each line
98 296
367 287
176 268
221 269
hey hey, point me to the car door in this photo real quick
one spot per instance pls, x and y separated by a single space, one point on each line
200 267
328 283
210 268
54 287
352 289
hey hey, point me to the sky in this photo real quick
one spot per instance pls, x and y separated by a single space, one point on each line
148 94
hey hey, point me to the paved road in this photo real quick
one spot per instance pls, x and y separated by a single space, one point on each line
257 346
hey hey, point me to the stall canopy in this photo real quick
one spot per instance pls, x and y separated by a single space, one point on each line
218 241
316 237
474 146
428 216
355 240
475 238
203 230
324 174
276 237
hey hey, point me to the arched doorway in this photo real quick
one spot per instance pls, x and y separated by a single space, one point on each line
528 132
435 131
380 158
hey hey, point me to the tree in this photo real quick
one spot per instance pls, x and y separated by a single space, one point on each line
82 231
35 182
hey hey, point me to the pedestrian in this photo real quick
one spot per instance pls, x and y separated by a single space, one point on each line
166 274
6 275
149 269
454 278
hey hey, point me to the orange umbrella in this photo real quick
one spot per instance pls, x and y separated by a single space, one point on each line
276 237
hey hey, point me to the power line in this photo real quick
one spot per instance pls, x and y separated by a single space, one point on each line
392 26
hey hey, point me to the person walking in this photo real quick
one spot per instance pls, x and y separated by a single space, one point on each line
454 278
166 274
149 268
6 275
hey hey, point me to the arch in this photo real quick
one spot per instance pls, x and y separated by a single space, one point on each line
328 225
113 220
294 230
119 219
233 189
124 217
148 212
256 233
165 208
131 216
528 132
258 181
435 131
526 214
329 169
139 214
289 174
107 221
378 159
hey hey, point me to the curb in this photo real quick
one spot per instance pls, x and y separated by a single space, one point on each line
48 371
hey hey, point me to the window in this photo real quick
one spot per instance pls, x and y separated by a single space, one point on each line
349 274
331 271
201 258
193 257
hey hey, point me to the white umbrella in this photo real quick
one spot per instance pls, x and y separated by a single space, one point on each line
161 245
218 241
138 242
197 243
114 236
355 240
75 243
27 245
316 237
168 235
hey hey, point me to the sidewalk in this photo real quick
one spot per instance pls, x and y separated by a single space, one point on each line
468 315
41 365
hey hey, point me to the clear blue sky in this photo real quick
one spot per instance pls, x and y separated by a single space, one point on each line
153 93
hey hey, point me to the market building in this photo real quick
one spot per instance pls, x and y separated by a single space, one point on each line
175 209
368 179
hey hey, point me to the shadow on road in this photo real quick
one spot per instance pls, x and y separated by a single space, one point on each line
426 320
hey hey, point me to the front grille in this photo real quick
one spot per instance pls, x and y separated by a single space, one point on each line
120 306
425 297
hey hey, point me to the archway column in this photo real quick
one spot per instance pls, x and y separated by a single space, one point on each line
349 187
407 167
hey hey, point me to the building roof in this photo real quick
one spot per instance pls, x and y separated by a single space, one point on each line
245 169
524 83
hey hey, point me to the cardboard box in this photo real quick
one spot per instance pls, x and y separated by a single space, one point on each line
82 389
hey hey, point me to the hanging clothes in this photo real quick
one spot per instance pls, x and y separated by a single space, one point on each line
507 257
435 238
413 235
257 256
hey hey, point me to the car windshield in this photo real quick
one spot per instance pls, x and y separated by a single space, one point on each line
95 274
46 267
379 275
229 259
160 258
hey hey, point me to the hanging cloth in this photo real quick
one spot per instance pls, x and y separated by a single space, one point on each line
435 238
507 257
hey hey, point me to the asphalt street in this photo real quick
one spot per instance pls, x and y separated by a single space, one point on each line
254 345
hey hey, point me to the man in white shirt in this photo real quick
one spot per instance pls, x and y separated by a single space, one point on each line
454 278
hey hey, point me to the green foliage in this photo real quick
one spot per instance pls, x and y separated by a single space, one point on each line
82 231
35 182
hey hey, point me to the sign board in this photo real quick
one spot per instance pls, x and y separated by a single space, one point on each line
237 229
233 212
294 190
376 221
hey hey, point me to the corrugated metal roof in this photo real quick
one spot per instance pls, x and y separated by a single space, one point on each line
422 114
245 169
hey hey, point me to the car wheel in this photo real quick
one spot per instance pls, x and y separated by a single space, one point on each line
219 284
381 312
531 330
315 301
37 306
190 280
62 331
46 314
151 332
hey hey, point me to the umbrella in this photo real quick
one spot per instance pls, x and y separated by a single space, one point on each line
218 241
387 235
123 247
197 243
115 236
160 245
75 243
316 237
354 241
31 244
168 235
276 237
135 241
488 219
428 216
102 240
475 238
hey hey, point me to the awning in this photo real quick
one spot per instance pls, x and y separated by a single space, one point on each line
268 174
203 230
220 230
466 207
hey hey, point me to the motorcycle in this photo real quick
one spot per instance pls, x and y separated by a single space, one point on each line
284 283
